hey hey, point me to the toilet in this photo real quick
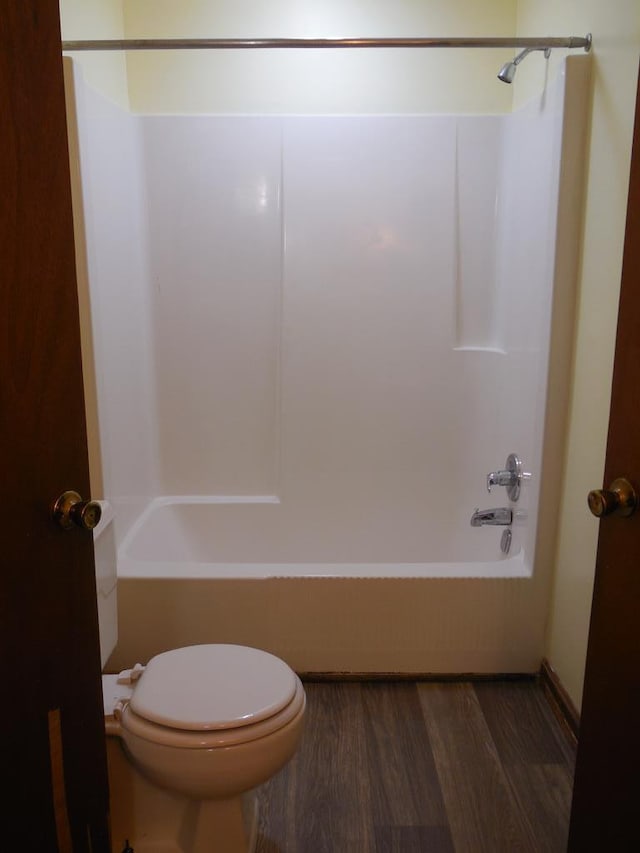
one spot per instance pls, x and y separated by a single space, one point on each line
200 727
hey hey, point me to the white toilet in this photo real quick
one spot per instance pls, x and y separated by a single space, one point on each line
203 725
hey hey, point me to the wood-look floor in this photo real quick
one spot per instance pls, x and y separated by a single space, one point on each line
429 767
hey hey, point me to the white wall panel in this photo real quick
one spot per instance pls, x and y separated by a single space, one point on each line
111 210
214 208
368 320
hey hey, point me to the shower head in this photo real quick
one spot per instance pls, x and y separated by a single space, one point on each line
508 70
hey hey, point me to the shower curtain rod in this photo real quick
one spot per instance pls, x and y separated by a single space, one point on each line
248 44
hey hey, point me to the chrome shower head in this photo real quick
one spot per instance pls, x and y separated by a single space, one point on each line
508 70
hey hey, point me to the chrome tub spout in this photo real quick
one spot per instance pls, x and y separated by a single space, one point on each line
497 516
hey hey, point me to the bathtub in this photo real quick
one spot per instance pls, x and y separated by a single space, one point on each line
255 538
189 571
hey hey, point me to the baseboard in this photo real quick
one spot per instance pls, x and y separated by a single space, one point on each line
560 701
416 676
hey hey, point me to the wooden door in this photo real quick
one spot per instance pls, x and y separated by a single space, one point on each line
606 800
53 754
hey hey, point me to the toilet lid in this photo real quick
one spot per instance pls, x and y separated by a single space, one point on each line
209 687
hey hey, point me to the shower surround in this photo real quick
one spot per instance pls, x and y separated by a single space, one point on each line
313 336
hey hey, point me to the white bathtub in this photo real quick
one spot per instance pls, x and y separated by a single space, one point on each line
255 538
189 572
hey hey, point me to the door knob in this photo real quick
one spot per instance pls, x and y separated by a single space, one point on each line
70 510
619 499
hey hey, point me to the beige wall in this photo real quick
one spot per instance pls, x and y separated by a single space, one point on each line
339 81
615 26
98 19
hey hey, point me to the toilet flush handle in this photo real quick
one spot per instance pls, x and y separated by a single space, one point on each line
130 676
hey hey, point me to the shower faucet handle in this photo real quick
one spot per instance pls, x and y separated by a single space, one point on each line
511 477
500 478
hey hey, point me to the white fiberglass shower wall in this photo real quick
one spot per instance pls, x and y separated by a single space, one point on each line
314 336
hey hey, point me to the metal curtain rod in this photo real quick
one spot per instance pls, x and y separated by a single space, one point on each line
248 44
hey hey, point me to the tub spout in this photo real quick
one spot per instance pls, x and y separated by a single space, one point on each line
498 516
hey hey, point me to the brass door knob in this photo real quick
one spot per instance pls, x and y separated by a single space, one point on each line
70 510
619 499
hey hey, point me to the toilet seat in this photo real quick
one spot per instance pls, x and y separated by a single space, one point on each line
201 697
211 738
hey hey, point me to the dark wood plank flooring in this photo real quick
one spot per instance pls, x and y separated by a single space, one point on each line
408 767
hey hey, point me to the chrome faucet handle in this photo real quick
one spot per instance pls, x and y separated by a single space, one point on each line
501 478
511 477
